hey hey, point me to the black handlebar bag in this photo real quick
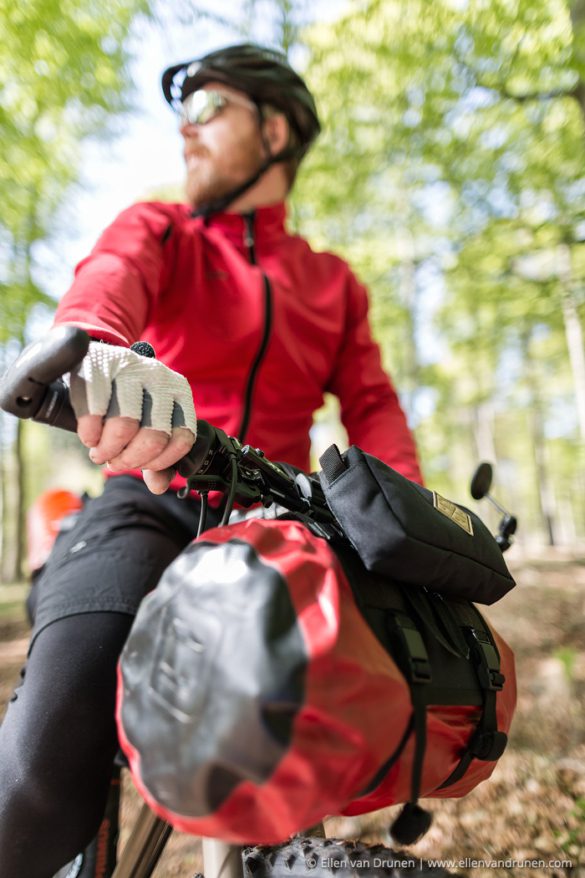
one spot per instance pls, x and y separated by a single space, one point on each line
404 531
258 692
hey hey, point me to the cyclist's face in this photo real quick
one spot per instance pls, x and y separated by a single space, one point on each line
223 152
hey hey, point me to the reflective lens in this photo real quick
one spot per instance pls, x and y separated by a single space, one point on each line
201 106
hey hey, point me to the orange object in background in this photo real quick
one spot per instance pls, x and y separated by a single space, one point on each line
45 519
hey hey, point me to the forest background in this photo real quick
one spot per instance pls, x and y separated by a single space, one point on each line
450 173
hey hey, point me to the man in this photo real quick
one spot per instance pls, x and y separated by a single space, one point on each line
261 327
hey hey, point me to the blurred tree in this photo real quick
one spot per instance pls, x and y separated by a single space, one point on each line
457 130
63 76
449 172
281 20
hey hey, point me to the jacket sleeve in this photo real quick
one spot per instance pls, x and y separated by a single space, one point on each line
116 285
370 408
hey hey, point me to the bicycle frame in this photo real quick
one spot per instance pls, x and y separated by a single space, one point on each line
150 835
148 839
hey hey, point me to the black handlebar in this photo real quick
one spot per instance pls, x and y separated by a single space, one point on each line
33 387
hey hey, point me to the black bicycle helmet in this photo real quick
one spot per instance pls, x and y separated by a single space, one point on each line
263 74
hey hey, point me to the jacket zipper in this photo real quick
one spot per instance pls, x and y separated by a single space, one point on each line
257 362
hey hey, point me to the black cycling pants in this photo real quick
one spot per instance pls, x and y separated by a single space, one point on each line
58 738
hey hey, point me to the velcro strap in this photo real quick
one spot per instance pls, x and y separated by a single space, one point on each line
332 463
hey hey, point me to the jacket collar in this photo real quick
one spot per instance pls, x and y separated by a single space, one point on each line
268 224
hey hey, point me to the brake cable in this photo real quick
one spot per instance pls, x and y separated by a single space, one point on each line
229 505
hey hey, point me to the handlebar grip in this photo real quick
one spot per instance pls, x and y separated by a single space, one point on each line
202 453
56 409
31 386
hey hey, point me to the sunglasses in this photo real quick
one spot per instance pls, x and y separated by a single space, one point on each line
200 107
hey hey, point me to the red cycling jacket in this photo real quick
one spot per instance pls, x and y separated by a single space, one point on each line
197 291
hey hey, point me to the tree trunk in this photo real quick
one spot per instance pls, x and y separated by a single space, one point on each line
573 333
577 11
20 524
8 508
3 516
462 452
13 521
544 494
287 27
483 431
408 293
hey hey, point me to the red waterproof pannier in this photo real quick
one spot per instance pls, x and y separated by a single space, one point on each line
256 697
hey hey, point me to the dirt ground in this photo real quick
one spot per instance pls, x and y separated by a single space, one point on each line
529 818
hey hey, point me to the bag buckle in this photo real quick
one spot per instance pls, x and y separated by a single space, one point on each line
420 671
486 658
414 649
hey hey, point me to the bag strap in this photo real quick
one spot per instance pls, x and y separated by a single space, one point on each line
322 529
487 742
413 821
386 766
420 604
449 622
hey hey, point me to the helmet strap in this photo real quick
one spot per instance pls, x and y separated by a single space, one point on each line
220 204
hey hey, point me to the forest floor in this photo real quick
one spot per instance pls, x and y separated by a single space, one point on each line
529 818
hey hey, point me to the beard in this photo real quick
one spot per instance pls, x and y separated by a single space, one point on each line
209 180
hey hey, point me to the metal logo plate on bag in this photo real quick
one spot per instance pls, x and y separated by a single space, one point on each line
455 513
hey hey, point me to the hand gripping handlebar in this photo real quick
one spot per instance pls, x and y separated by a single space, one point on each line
34 387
